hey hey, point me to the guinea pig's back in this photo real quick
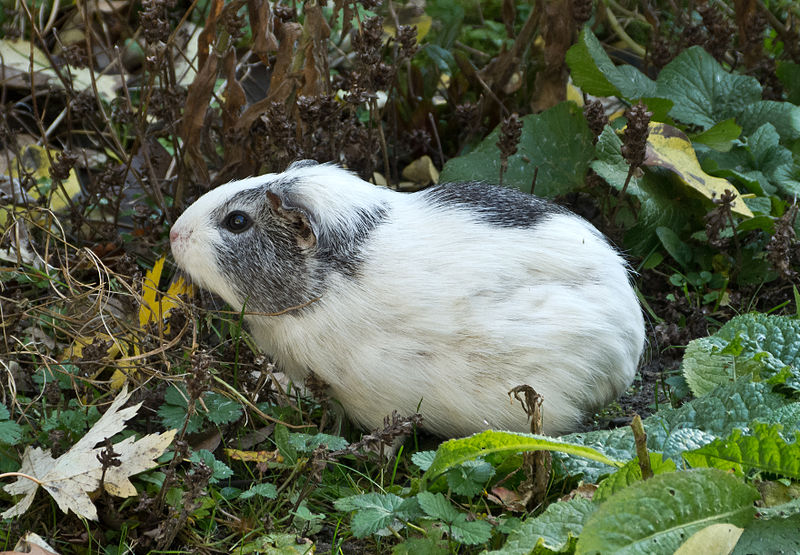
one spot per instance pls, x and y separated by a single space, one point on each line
455 303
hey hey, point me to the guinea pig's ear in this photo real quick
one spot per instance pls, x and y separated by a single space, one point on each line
296 220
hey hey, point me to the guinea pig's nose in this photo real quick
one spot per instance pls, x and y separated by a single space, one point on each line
173 235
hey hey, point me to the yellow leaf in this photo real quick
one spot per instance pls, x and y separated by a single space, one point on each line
255 456
422 22
715 539
669 148
149 311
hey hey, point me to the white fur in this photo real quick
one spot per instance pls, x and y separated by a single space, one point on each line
447 313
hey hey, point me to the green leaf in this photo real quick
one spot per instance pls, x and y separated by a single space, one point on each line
768 345
423 459
770 537
306 443
437 506
421 546
221 409
262 490
783 116
374 511
556 529
593 71
703 93
720 137
629 474
470 477
10 431
557 142
678 250
659 514
174 410
672 431
462 530
789 75
761 449
285 447
219 470
457 451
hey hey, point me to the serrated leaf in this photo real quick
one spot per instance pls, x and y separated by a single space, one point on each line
697 422
308 442
769 344
659 514
702 91
262 490
785 117
423 459
761 449
556 529
221 409
456 451
716 539
557 142
374 511
437 506
10 431
470 532
470 477
219 470
630 474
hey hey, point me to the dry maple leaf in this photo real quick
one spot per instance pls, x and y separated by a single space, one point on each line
70 478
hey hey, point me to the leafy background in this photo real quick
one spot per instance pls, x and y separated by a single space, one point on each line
674 127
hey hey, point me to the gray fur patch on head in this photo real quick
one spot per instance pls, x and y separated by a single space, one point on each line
270 270
500 206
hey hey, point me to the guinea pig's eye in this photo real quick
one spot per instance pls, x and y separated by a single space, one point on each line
237 222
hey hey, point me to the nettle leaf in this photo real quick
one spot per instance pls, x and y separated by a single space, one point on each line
457 451
470 477
629 474
659 514
697 422
556 529
557 142
10 431
593 71
462 530
767 345
761 448
375 511
285 447
770 536
702 91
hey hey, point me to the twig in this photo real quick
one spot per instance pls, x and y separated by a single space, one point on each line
623 36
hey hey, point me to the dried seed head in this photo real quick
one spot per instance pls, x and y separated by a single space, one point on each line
783 250
510 132
634 139
581 11
596 117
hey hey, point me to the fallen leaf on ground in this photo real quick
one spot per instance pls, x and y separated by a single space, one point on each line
70 478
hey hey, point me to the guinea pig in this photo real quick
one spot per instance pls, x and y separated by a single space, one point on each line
441 300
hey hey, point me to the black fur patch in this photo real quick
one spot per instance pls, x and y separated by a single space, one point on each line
500 206
343 251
